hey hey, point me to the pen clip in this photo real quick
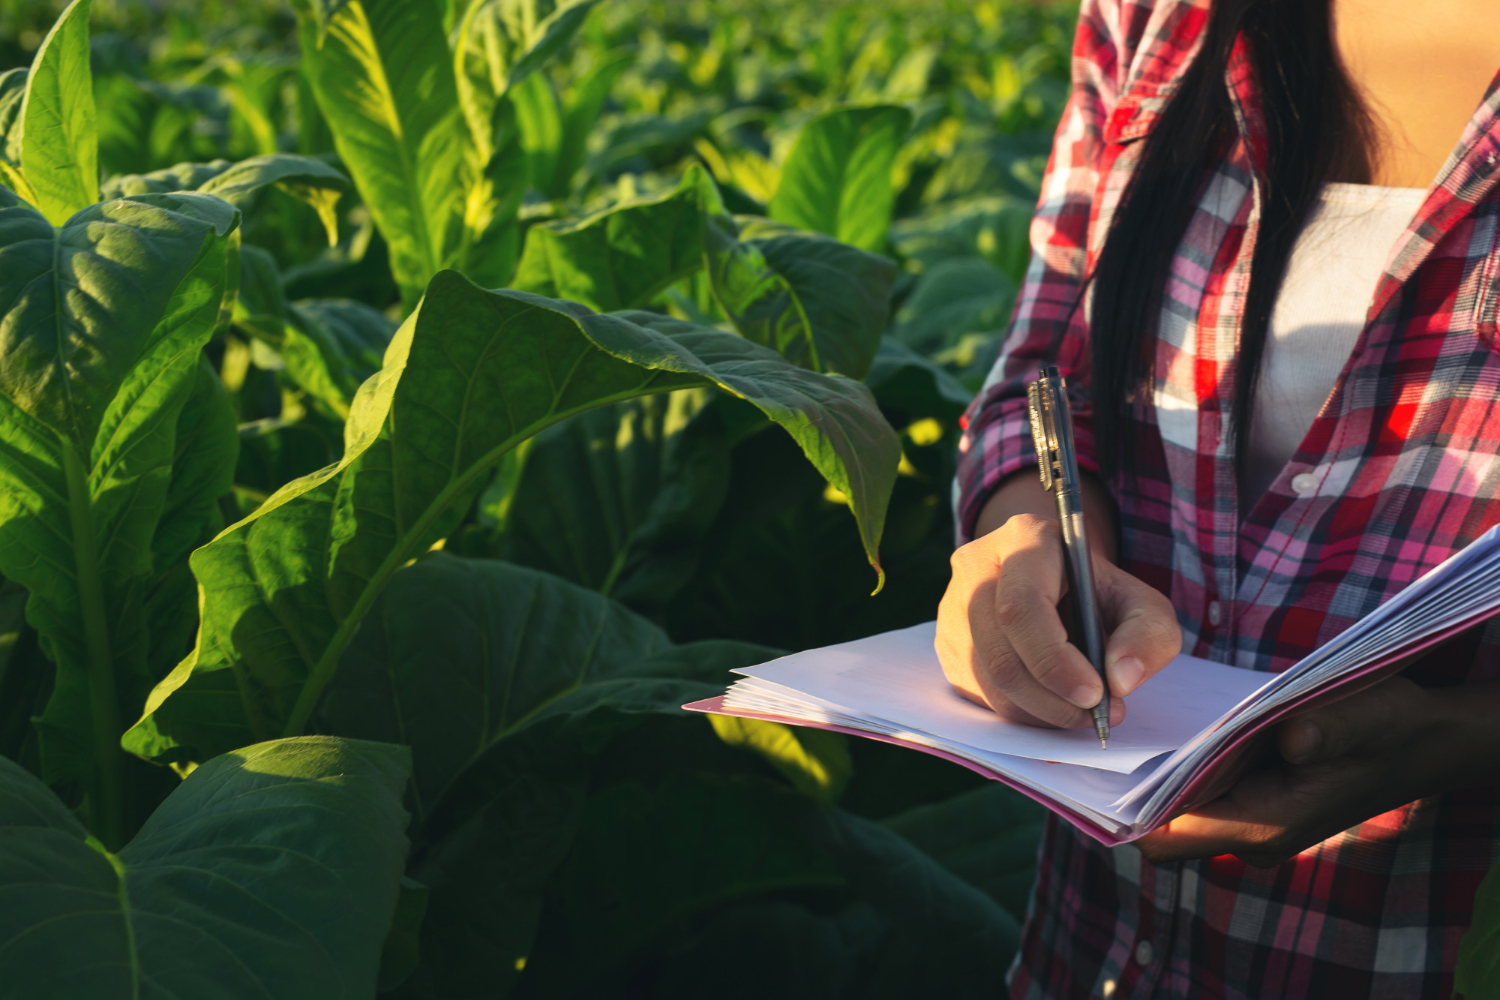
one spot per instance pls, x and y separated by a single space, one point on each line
1043 437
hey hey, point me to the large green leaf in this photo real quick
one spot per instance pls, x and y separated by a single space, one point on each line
619 499
332 345
509 684
549 35
304 177
466 380
59 134
458 652
837 179
957 296
821 303
624 256
782 563
651 865
270 872
458 655
203 461
910 387
383 78
103 323
12 93
1477 975
987 837
493 846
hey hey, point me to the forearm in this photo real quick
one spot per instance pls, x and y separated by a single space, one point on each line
1022 493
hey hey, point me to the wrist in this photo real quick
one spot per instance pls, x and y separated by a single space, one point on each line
1022 493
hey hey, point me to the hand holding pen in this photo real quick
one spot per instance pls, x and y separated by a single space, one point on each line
1001 635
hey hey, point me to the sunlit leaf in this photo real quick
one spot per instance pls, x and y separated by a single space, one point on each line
837 179
59 133
467 378
383 79
89 400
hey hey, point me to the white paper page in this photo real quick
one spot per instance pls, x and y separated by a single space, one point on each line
1465 584
896 677
1088 790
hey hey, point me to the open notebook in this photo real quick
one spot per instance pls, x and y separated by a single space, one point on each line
1186 730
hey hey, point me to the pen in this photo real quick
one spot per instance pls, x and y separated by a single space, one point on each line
1052 433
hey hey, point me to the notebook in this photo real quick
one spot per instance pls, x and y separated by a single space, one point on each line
1188 732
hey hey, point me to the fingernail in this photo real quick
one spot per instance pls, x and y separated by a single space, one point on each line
1126 675
1303 742
1084 696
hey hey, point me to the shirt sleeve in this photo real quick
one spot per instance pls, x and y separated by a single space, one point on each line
1048 326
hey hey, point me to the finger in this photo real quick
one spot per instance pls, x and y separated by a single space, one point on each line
1027 590
1366 719
1144 635
1207 833
1258 818
1009 684
1014 654
980 677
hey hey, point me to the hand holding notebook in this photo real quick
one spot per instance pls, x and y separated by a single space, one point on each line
1183 729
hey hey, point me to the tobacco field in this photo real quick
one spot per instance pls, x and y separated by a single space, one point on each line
407 405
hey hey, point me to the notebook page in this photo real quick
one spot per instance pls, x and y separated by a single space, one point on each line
1463 586
896 678
1086 790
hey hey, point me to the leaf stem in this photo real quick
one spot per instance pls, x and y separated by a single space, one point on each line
104 710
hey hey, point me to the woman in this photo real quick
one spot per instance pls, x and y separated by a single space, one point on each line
1280 218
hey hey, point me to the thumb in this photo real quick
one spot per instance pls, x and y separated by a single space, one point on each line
1346 726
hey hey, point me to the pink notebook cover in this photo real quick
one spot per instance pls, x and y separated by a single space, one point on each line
1212 777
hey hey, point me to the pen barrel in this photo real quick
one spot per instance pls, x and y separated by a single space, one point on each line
1080 576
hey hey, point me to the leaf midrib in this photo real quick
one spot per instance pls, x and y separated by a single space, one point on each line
410 188
127 918
323 670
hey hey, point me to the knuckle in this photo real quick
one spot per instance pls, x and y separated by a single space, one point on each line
1012 606
968 552
1161 632
966 561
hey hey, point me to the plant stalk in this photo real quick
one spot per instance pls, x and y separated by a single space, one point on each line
104 712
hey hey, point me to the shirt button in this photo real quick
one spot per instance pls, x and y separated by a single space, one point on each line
1143 953
1304 484
1214 614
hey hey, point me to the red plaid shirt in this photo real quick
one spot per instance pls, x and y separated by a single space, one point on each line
1404 460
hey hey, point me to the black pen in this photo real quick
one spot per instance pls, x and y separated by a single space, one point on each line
1052 433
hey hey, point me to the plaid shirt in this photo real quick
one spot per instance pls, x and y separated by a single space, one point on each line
1398 471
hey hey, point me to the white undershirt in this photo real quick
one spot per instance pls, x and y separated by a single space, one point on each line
1320 311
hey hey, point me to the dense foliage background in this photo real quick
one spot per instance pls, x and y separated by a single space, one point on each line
806 220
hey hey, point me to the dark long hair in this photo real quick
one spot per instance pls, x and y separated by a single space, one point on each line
1317 129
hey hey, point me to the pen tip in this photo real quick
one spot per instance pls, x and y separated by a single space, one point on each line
1103 743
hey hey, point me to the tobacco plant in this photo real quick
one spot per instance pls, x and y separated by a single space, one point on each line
356 632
